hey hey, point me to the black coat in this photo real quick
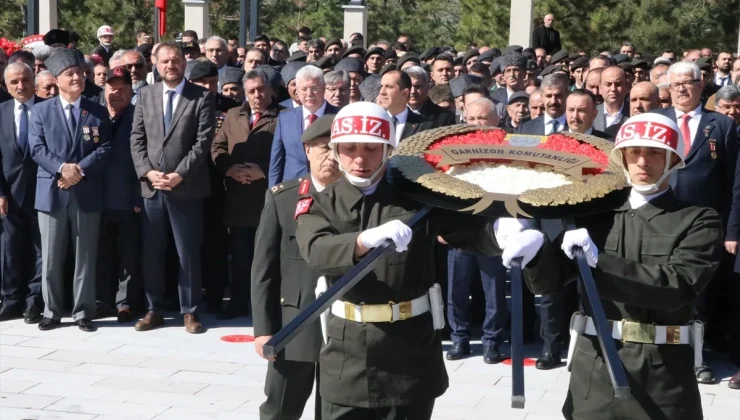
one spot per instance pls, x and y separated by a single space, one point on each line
439 116
415 123
122 188
547 38
102 53
4 95
283 284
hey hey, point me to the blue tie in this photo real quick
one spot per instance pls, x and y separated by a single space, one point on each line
168 110
23 128
71 123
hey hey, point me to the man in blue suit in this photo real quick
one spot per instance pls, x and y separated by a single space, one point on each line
288 157
21 244
119 254
709 179
69 140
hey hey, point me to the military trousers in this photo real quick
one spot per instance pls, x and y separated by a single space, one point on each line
421 411
288 386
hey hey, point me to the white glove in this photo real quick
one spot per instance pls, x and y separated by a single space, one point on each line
580 237
523 244
505 227
394 230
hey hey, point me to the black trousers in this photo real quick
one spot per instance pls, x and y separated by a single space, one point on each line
119 259
215 251
422 411
288 386
20 258
241 243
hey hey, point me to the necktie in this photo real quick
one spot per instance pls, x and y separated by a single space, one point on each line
311 118
23 128
257 116
554 128
71 122
168 110
395 122
686 133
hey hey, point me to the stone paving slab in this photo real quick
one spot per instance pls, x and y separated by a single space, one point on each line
117 373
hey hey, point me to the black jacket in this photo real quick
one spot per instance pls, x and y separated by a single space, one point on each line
439 116
547 38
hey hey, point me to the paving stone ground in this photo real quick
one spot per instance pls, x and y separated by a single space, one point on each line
117 373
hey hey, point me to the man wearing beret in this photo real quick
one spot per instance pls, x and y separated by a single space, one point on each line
119 253
230 84
283 286
374 60
288 75
334 47
69 139
578 73
356 73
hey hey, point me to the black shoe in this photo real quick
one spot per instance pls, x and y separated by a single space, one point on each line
86 325
458 351
32 315
47 324
704 375
491 355
124 315
547 361
10 312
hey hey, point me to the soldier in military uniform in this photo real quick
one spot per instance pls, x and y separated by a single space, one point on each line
383 357
651 258
283 284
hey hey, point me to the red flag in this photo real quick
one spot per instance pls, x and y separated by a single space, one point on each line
161 5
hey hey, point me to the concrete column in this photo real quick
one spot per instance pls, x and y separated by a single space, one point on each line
197 17
47 16
355 20
520 23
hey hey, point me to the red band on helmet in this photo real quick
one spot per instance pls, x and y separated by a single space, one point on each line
648 130
364 125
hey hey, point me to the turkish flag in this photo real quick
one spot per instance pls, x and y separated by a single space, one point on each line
161 5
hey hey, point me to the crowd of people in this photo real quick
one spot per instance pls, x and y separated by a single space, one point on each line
169 176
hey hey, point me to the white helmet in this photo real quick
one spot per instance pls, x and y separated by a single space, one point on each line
363 122
105 30
650 130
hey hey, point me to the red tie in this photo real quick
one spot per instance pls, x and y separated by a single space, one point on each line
257 116
686 133
311 118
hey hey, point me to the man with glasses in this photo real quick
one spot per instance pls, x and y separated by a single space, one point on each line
708 180
288 159
134 62
217 52
278 53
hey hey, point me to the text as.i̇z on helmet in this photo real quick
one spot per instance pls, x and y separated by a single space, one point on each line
646 130
365 125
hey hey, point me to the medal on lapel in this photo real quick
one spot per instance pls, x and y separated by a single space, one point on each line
84 113
713 148
86 133
96 134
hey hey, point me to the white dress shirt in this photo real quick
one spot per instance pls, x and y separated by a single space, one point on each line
77 109
319 113
612 119
718 80
548 125
175 99
17 114
402 118
588 132
693 122
638 200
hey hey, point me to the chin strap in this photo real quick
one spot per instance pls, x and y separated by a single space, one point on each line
652 188
360 182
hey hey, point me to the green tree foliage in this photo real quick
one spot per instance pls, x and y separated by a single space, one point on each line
590 25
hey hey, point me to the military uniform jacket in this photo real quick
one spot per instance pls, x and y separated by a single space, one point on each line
653 262
382 364
283 284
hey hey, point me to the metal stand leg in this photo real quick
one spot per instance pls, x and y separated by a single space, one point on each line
517 336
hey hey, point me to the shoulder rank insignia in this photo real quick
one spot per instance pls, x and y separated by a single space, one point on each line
302 207
305 186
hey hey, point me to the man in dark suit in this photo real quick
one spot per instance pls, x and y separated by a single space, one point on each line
287 159
395 88
514 67
555 89
709 179
173 129
119 256
21 243
283 284
546 36
613 88
644 96
419 102
4 96
241 153
69 139
580 113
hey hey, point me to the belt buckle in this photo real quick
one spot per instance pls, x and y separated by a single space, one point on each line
635 332
404 311
673 335
377 313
